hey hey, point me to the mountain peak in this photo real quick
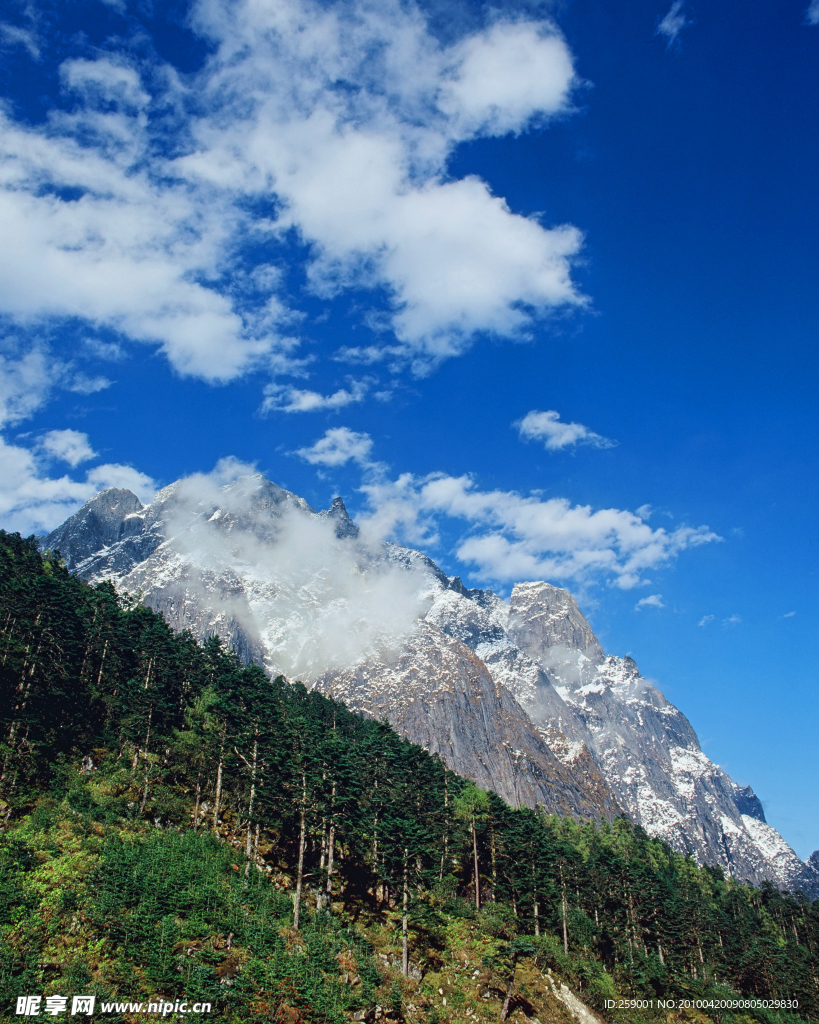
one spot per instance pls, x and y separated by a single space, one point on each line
337 511
543 616
520 697
100 522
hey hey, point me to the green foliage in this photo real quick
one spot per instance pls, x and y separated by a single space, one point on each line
160 796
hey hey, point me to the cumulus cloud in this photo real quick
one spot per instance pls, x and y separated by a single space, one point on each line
69 446
337 447
555 435
516 537
338 119
652 601
505 76
283 398
125 251
32 501
812 13
312 600
672 23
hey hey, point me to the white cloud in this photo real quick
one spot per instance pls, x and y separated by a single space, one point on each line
316 600
27 379
125 251
732 620
337 447
652 601
788 615
82 384
31 501
673 22
513 537
340 118
25 383
706 619
556 436
105 81
507 75
14 35
282 398
70 446
812 13
114 474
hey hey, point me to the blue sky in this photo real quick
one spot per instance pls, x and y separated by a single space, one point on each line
533 286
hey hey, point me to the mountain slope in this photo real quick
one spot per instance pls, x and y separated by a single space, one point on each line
519 697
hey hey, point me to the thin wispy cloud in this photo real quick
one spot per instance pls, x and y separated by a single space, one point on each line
283 398
732 620
14 35
652 601
706 619
812 13
673 22
555 435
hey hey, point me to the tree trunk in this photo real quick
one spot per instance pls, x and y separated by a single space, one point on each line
445 853
8 642
565 932
404 947
330 852
147 731
251 801
302 844
218 797
534 900
494 864
508 998
147 762
102 662
477 874
198 795
23 688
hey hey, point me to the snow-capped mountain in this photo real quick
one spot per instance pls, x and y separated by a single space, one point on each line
518 696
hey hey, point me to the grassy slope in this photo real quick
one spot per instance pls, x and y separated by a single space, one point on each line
95 903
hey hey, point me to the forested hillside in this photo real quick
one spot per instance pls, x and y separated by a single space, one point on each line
177 824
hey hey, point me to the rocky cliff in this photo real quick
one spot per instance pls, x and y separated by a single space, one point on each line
518 696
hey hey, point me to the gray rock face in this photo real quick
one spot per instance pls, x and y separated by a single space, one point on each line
646 748
812 872
749 803
337 513
437 693
108 518
542 617
520 697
